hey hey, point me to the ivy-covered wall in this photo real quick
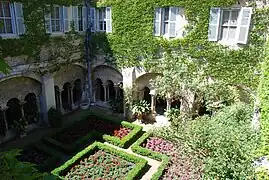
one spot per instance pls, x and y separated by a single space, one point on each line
264 98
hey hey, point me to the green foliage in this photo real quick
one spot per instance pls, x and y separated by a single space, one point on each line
139 162
20 125
225 142
117 105
55 117
264 98
11 168
174 116
4 67
140 108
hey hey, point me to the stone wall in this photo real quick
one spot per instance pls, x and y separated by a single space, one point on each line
106 73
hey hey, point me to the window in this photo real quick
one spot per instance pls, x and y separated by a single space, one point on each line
104 20
79 18
229 25
169 22
11 19
57 21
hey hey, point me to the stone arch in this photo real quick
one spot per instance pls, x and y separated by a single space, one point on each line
77 91
106 73
161 104
66 96
30 108
18 87
70 74
13 112
99 90
144 80
30 75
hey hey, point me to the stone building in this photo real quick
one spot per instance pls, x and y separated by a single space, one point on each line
57 76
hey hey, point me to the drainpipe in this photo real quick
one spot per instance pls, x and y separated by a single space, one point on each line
87 50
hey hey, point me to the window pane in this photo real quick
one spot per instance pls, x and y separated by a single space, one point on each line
1 10
8 26
6 9
157 13
166 14
104 25
231 35
80 25
225 17
224 33
212 31
214 16
2 28
234 18
57 25
156 28
165 28
57 12
104 13
101 25
173 16
108 13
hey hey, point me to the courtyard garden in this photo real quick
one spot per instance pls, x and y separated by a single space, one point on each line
102 147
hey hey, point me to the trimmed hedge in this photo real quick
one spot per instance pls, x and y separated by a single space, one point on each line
94 135
137 148
53 159
140 163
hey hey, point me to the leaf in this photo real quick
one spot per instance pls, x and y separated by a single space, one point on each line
4 67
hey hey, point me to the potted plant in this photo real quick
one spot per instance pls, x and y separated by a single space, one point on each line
20 126
140 109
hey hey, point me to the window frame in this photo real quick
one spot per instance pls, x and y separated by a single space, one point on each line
13 18
60 19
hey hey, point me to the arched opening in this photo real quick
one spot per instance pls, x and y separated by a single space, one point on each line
77 92
66 96
99 90
2 123
30 109
161 104
175 104
111 90
147 96
13 112
57 97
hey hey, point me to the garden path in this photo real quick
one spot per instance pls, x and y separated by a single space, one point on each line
154 165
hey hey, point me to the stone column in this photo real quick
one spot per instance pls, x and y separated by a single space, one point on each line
48 96
153 101
60 101
108 95
105 91
4 109
169 102
116 87
73 106
22 110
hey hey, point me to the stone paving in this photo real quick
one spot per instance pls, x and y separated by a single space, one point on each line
161 121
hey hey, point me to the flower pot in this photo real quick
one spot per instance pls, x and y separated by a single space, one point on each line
84 106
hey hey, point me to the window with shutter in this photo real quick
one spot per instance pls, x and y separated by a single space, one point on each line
214 22
93 19
243 25
56 19
157 22
75 17
108 20
7 19
101 15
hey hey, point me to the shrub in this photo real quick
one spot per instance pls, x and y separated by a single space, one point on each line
55 117
117 105
140 108
225 142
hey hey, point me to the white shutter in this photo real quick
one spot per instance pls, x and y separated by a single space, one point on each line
84 18
93 19
181 22
243 25
173 11
19 18
97 20
108 20
48 22
157 22
214 23
75 17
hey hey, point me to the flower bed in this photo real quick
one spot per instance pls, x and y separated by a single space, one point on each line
160 145
44 157
101 161
100 165
94 127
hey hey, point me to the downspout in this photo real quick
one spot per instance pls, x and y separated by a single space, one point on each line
87 50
